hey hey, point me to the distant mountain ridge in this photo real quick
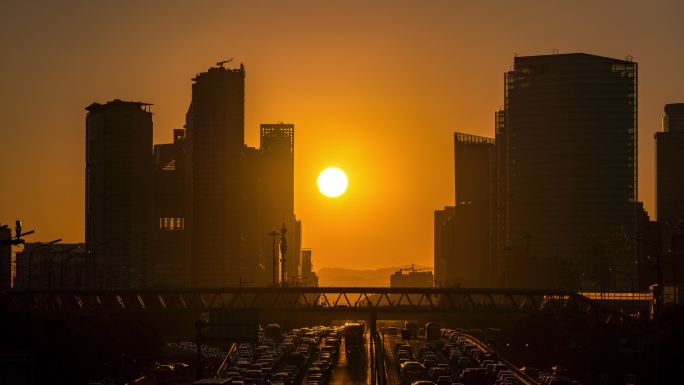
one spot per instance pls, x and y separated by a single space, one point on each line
340 276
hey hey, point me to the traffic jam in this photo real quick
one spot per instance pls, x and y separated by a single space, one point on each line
300 356
450 357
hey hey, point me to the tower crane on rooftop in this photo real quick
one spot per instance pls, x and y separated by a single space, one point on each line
221 63
412 268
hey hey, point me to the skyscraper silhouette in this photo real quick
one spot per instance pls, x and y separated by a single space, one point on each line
118 182
277 186
215 135
669 163
570 178
169 233
464 233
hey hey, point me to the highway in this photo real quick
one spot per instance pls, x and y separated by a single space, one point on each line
317 355
352 369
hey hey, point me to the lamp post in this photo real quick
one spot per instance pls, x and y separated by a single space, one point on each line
273 235
30 256
631 283
283 249
51 260
659 272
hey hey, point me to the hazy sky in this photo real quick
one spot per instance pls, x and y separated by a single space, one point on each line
374 87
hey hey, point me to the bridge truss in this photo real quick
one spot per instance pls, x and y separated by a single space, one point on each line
313 299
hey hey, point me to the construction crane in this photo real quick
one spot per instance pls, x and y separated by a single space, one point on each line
412 268
221 63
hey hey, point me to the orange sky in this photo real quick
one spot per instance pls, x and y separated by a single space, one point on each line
373 87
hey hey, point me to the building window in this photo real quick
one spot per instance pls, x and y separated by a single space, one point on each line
172 223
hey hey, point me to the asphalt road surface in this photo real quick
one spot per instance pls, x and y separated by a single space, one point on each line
352 369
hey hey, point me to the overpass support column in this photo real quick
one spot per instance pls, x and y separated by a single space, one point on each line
372 334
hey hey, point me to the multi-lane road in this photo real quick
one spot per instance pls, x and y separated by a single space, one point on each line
322 359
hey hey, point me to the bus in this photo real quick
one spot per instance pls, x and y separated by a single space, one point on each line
412 326
353 337
432 332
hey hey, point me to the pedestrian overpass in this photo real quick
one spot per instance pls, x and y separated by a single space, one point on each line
343 300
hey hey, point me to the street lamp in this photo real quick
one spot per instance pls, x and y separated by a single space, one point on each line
30 257
51 260
283 250
631 283
659 272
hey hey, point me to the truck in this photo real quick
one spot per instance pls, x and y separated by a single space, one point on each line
412 325
432 331
353 337
272 332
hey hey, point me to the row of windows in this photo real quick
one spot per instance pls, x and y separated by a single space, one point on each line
172 224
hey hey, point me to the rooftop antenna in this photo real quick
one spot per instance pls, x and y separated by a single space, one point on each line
221 63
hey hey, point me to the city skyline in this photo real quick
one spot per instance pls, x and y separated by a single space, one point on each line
398 97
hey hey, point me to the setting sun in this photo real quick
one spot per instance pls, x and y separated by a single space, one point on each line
332 182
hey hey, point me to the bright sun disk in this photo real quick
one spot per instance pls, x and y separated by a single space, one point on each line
332 182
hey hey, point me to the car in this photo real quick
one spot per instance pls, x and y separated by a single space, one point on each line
429 363
325 365
255 375
464 362
436 371
473 375
229 374
315 377
281 377
411 371
442 380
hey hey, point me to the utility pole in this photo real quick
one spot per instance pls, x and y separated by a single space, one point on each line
283 249
273 235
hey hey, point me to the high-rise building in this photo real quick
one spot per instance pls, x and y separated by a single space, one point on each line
669 161
569 148
215 140
277 187
61 265
442 244
412 278
670 192
169 235
475 178
465 234
309 277
295 272
257 259
5 257
118 187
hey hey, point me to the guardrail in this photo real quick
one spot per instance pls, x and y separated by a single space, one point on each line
522 377
225 364
378 358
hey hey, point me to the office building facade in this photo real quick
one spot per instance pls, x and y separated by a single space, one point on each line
118 191
669 161
215 139
169 232
277 192
569 152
